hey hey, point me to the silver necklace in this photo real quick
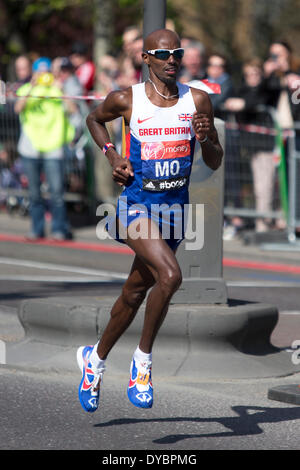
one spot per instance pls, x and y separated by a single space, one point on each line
160 94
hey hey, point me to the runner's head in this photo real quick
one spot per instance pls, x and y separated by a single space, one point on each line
161 63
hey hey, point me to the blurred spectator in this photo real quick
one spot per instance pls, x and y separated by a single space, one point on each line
193 62
23 70
10 175
217 72
136 57
253 91
127 75
42 64
23 75
186 41
45 130
282 70
130 60
130 34
110 78
55 70
259 147
108 75
77 111
170 25
84 68
71 86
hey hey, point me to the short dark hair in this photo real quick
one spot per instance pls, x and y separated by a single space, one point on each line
222 56
285 44
79 48
66 63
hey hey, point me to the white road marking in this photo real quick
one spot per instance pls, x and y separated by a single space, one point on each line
2 352
263 283
289 312
106 276
60 267
82 280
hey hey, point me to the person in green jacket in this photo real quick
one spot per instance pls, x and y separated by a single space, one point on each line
45 129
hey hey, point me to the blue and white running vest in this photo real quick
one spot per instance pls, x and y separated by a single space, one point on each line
160 147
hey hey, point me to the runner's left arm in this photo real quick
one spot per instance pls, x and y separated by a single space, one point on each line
204 128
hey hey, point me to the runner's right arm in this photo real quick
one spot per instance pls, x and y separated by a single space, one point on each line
117 104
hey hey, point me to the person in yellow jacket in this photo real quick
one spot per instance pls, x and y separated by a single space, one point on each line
45 129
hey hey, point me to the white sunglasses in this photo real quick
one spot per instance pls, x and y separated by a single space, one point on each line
164 54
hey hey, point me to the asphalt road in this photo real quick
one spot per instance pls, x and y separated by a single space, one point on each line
40 410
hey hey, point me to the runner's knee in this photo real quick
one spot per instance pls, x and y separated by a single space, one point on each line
170 279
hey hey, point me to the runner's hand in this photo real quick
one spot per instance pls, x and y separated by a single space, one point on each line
122 171
201 125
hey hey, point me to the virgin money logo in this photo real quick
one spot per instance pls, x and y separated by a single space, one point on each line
165 150
153 151
178 149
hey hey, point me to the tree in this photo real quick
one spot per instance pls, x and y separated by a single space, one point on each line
240 29
47 27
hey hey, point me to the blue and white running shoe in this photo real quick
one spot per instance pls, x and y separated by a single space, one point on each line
140 389
89 387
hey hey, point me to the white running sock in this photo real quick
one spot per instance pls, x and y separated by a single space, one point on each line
141 356
97 363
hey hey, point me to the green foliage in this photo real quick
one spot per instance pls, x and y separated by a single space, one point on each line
237 28
129 3
44 7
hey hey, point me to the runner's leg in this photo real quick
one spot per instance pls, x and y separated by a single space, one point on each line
126 306
155 264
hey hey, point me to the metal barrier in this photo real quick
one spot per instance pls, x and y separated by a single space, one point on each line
261 164
255 180
78 159
294 181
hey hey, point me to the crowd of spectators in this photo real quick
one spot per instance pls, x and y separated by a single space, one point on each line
261 83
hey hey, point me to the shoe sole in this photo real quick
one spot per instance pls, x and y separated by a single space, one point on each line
139 405
80 363
79 358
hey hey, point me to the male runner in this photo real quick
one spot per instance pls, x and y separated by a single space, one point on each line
163 118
